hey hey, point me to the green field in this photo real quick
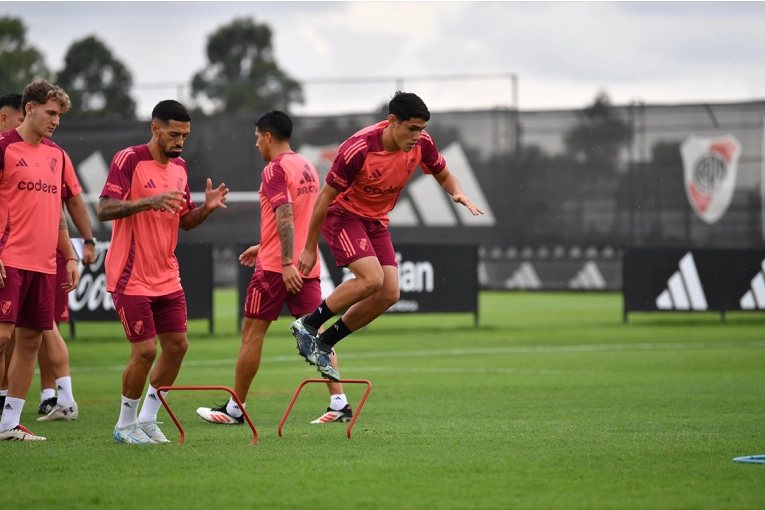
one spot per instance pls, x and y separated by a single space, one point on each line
551 403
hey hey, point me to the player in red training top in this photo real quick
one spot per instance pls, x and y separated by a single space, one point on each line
288 190
366 179
33 224
147 194
53 355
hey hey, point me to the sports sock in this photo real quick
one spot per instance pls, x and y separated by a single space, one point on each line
335 333
47 393
11 413
319 316
64 386
232 408
337 402
128 412
151 405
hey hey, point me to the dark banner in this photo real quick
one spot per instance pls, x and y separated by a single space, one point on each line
91 302
432 278
693 280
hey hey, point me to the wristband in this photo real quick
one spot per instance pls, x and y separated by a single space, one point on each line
287 264
71 258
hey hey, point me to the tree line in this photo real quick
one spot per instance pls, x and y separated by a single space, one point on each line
241 74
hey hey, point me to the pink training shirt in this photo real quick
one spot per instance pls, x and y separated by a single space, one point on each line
72 186
31 181
141 258
289 178
369 179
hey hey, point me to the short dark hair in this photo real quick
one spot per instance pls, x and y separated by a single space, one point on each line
277 123
406 105
11 100
170 109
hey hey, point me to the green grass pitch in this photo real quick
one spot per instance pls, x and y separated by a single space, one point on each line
551 403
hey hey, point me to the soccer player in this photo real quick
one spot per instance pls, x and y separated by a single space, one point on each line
53 355
31 178
288 190
147 195
351 211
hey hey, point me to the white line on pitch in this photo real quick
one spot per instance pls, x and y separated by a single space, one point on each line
473 352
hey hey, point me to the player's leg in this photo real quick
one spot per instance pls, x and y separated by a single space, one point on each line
5 361
47 379
20 374
247 365
138 321
170 320
58 365
339 409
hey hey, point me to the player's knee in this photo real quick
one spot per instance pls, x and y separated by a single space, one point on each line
145 356
371 283
390 296
178 348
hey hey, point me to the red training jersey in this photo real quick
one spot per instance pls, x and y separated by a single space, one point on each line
369 179
289 178
31 181
141 258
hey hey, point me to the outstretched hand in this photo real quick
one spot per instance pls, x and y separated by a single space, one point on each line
306 261
249 257
460 198
214 198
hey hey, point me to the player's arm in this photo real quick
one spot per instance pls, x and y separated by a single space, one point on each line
65 245
75 205
451 185
307 258
285 227
214 199
114 209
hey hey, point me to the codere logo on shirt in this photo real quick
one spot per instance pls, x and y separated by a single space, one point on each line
38 186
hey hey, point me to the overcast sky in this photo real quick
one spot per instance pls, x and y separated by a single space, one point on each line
562 53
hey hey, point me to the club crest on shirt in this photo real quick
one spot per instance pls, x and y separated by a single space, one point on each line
52 164
138 327
179 183
5 307
362 243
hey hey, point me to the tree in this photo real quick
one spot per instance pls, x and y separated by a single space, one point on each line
20 64
96 81
242 74
598 136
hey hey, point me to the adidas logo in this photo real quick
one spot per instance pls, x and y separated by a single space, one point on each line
376 174
150 184
22 163
754 298
153 396
307 177
589 277
337 398
127 405
60 387
525 277
684 291
8 406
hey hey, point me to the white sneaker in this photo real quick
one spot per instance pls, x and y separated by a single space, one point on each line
19 433
219 415
131 434
151 429
59 412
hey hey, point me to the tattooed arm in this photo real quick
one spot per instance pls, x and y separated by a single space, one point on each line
285 226
113 209
214 199
195 217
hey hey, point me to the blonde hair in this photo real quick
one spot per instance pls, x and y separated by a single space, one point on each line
40 91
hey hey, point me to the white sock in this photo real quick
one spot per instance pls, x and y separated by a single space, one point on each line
47 393
151 405
337 402
11 413
128 412
64 386
232 408
3 393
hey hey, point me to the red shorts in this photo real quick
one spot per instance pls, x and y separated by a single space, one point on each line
61 306
267 295
145 316
27 298
352 237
